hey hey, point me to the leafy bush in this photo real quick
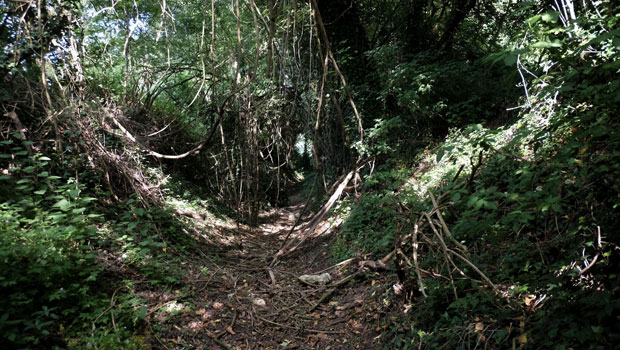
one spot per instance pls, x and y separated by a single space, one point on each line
52 287
47 264
372 223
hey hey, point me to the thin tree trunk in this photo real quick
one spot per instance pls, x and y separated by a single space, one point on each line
321 27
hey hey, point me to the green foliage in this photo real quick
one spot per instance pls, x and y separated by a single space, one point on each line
138 236
541 190
53 290
372 222
427 94
369 228
526 177
47 264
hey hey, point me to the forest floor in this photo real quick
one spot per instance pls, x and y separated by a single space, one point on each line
234 296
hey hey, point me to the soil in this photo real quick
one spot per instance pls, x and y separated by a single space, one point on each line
235 296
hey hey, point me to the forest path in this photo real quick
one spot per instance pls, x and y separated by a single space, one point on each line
234 299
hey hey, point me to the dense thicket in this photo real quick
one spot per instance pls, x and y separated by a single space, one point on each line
485 134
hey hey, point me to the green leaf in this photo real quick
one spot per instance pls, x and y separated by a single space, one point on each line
63 205
74 193
479 203
57 217
28 169
141 312
550 17
490 205
547 44
510 59
533 20
78 210
440 154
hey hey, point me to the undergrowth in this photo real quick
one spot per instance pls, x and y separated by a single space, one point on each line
68 263
533 204
534 211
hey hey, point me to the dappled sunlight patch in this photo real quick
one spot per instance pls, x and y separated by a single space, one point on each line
173 307
463 150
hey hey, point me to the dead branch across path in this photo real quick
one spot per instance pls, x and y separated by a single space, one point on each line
334 286
318 217
308 230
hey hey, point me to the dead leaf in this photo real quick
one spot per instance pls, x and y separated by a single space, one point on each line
322 336
311 340
479 326
196 325
398 288
522 338
259 302
218 306
230 330
529 299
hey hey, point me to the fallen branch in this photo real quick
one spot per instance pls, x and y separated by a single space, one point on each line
133 139
324 297
448 251
301 214
415 260
318 217
216 337
335 286
599 247
476 269
190 213
340 264
223 345
443 223
445 253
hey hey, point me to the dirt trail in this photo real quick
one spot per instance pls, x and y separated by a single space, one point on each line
234 300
